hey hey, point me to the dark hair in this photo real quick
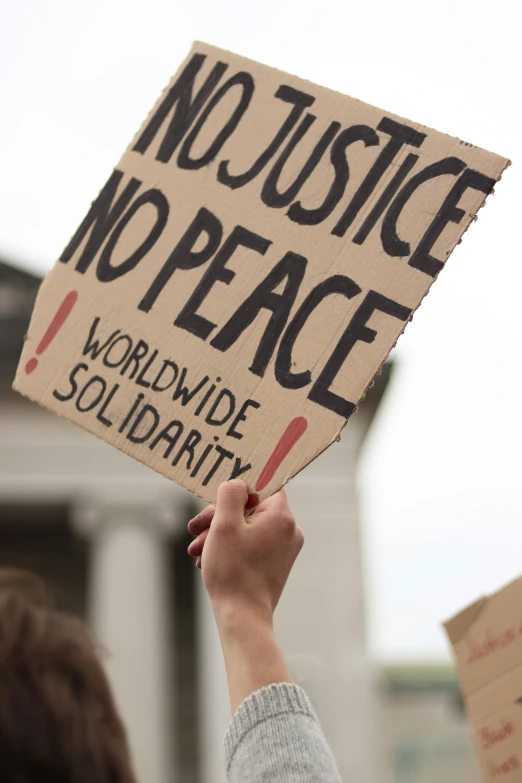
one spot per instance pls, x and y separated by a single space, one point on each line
58 721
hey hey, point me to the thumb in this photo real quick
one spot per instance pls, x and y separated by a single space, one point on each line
231 501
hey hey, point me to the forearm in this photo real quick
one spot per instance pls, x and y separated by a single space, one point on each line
253 659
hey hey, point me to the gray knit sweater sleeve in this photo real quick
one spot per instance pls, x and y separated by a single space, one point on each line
275 737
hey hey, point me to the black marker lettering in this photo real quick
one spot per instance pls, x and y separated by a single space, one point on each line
311 217
300 101
165 434
189 318
127 348
208 394
146 410
186 108
292 268
391 243
184 392
100 415
93 347
270 194
388 193
131 413
338 284
105 271
201 460
239 469
246 82
191 441
241 416
167 365
356 331
216 421
100 220
139 352
400 135
223 454
449 212
72 380
96 379
183 256
141 380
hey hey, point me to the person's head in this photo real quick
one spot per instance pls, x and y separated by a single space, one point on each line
58 721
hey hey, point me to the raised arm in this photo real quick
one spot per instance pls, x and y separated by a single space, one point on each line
245 562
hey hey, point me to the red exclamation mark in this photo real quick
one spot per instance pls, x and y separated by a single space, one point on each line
52 330
286 443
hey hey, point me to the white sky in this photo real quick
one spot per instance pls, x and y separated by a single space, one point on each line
440 475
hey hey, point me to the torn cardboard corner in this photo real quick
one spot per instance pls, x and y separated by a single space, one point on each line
245 271
487 647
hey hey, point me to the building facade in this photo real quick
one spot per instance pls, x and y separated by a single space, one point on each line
110 536
425 737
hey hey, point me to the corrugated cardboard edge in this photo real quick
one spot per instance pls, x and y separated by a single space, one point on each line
219 50
337 436
458 625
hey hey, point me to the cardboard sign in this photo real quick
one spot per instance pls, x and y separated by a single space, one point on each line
245 271
487 647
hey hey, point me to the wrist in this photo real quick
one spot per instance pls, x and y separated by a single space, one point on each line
253 659
235 617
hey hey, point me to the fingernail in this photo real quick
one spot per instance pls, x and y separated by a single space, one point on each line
252 500
237 482
198 563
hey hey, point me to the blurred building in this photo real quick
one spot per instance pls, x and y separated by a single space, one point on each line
110 536
424 732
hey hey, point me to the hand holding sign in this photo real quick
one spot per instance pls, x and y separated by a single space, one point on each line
265 241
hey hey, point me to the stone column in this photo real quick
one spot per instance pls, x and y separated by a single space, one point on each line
130 616
214 702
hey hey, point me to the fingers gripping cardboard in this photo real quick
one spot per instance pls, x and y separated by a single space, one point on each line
245 271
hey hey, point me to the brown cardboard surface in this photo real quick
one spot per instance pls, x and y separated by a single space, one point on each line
487 647
492 643
245 271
